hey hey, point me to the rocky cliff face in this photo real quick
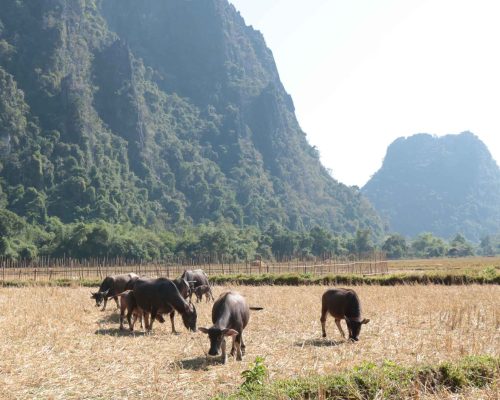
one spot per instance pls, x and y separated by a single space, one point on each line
160 112
441 185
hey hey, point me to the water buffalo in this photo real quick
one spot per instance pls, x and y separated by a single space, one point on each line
111 286
196 278
203 290
230 315
161 296
129 304
343 304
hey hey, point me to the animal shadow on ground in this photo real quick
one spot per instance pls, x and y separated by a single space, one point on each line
196 364
118 332
110 318
318 342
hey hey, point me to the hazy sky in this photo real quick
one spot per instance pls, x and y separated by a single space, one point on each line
364 72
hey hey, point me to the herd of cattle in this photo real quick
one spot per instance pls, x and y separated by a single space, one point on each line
149 299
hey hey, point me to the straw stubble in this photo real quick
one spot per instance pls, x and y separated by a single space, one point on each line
56 344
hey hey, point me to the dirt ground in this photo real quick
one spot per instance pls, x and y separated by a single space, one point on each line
55 344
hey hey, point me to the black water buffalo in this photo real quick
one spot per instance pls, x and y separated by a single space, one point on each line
196 278
230 315
161 296
129 304
111 286
203 290
343 304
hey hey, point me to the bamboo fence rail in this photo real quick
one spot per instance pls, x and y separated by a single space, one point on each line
46 268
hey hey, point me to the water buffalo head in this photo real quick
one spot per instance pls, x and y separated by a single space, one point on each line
99 297
217 337
354 326
189 318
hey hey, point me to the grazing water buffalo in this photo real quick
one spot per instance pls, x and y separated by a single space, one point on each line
203 290
195 278
230 315
129 304
343 304
111 286
161 296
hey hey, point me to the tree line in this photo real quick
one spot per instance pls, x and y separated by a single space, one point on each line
20 239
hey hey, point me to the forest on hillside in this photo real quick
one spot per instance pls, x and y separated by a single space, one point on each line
442 185
164 115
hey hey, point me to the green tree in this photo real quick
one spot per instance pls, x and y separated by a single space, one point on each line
395 246
427 245
460 247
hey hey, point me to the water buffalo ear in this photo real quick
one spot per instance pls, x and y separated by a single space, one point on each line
229 332
365 321
204 330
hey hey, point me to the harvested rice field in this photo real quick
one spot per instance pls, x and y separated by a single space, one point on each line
57 345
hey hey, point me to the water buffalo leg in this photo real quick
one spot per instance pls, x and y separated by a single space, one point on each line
233 347
237 345
223 350
134 319
104 305
130 322
323 320
172 321
337 322
115 298
122 315
243 347
153 317
146 320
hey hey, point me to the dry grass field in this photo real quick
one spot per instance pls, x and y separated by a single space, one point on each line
55 344
445 265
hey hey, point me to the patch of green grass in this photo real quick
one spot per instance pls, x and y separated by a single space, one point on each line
487 277
387 380
354 280
52 283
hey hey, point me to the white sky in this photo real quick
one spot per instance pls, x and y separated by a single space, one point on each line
364 72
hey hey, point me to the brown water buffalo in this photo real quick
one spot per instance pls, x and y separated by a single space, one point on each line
128 304
230 315
111 286
195 278
343 304
203 290
161 296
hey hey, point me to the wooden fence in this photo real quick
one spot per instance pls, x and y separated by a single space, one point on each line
45 269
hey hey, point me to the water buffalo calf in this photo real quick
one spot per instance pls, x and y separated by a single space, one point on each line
111 286
204 290
230 315
343 304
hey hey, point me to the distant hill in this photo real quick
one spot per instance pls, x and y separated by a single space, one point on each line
163 113
442 185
